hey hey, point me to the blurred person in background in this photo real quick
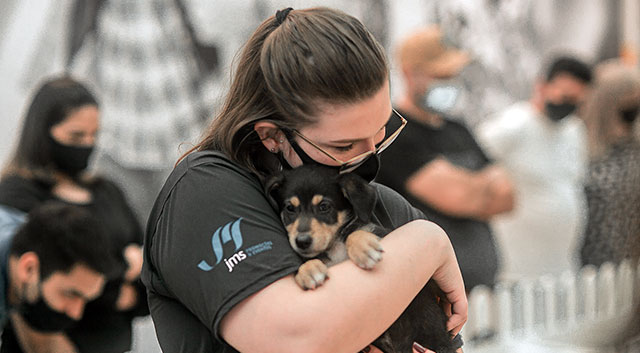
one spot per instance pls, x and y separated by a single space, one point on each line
436 163
144 60
504 41
53 262
612 188
57 139
541 143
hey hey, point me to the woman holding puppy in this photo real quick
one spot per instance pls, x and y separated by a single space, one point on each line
311 87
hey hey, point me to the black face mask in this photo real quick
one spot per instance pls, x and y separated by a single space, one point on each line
367 170
557 112
630 114
41 317
70 159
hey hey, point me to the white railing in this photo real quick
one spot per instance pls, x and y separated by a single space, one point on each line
575 312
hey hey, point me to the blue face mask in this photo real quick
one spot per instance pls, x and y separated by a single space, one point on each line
443 97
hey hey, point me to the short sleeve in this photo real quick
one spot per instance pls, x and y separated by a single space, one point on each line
216 240
185 334
498 135
22 194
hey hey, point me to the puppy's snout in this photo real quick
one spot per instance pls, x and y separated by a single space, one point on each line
303 241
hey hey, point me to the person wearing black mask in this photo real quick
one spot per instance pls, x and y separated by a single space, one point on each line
542 144
53 262
50 163
613 179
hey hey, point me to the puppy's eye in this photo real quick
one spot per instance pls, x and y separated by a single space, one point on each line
290 208
324 207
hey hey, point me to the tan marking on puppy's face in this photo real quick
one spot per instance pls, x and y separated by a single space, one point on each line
292 231
322 234
316 199
295 201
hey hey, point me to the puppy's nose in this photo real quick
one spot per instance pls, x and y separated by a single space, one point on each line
303 241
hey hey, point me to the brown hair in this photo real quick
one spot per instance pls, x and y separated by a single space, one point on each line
616 86
287 69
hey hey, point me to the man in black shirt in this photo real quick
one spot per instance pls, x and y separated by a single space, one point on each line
436 163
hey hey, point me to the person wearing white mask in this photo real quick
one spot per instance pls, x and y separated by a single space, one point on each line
437 164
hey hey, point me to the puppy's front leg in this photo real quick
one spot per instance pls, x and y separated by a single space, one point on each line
311 274
364 248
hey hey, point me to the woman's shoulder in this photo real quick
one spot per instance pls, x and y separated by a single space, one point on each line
213 165
22 193
208 173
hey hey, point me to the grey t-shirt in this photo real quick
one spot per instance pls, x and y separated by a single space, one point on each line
212 240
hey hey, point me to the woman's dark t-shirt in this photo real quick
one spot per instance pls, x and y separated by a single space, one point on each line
212 240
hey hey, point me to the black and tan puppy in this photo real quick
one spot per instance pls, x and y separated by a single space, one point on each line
328 218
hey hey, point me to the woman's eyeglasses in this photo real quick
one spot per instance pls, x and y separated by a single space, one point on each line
355 162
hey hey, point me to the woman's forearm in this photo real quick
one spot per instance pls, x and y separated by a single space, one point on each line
353 307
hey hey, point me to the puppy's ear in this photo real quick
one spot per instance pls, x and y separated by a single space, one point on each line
272 187
361 195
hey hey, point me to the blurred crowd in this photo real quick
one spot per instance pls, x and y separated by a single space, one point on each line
522 142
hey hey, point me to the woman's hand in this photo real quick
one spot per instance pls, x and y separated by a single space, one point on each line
133 255
454 300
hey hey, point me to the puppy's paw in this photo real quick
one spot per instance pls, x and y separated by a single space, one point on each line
364 249
311 274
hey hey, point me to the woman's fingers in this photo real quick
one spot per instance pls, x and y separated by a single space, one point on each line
419 349
450 282
455 319
455 307
458 317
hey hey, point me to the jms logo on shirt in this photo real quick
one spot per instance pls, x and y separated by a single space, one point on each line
223 235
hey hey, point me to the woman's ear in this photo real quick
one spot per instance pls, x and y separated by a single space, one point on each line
268 133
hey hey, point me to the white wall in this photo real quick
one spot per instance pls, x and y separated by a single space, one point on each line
31 44
30 49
